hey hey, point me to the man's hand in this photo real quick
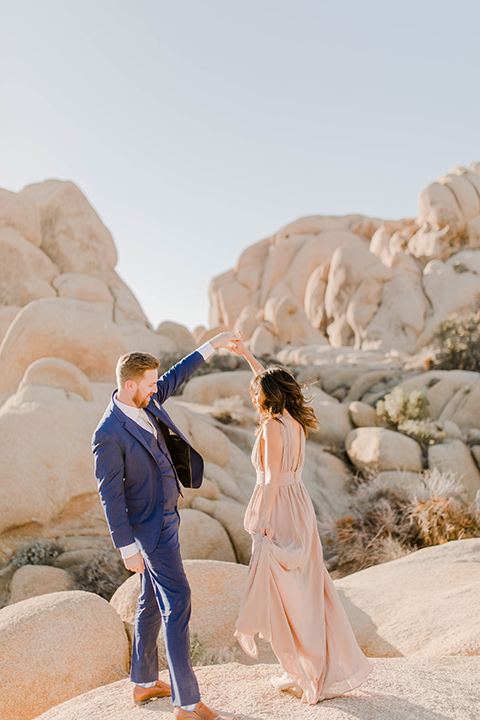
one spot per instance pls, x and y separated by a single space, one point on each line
223 339
135 563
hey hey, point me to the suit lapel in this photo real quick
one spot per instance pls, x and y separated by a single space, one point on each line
156 409
132 427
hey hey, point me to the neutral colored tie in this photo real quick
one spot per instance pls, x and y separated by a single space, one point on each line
143 416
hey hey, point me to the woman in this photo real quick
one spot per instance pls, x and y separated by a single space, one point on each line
290 599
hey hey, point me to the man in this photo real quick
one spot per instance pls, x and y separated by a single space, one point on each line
141 458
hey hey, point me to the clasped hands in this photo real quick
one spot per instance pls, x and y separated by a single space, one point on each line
226 340
230 340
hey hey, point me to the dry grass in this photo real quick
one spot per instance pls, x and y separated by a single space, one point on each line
40 552
99 575
386 523
441 519
202 654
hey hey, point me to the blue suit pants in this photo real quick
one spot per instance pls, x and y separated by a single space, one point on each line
165 595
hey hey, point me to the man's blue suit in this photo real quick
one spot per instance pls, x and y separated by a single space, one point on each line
130 468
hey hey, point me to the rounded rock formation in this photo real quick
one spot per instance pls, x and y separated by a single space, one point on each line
379 449
413 611
202 537
55 647
57 427
57 373
33 580
62 327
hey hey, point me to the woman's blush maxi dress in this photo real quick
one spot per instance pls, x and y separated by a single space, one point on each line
290 599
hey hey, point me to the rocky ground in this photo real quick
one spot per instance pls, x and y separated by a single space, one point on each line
417 617
400 689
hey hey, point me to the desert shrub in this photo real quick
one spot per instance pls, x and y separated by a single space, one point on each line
397 407
437 483
41 552
409 415
425 432
99 575
378 528
385 523
440 519
457 343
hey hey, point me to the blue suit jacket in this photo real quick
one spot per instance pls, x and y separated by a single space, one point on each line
128 474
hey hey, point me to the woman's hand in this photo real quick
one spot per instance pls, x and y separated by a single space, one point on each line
266 529
238 347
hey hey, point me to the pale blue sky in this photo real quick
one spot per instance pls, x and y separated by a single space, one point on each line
197 127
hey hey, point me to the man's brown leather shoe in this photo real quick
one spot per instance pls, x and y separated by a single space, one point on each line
201 712
143 695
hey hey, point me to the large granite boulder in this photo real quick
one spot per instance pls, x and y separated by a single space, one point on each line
55 647
62 327
45 444
378 449
73 235
203 537
426 604
33 580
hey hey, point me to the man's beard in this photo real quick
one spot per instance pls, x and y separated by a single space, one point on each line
139 401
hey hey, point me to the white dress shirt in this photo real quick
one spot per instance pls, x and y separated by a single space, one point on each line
206 350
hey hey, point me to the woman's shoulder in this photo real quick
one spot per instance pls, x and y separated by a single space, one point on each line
272 425
269 420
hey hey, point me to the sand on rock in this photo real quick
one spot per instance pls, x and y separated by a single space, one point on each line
397 689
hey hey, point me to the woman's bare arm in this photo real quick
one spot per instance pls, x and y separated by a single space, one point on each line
238 347
272 464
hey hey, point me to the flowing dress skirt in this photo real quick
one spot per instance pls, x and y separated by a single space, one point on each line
290 599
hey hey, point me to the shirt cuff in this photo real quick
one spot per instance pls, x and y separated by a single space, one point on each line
129 550
206 350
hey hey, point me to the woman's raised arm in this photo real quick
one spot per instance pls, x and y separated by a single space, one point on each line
238 347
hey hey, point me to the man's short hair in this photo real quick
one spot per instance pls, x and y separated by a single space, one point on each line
132 366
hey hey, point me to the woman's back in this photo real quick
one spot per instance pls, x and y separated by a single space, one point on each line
293 445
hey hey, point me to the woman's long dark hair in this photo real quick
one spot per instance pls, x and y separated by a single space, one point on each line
280 391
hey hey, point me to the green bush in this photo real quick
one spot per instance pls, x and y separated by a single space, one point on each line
409 415
457 343
425 432
397 407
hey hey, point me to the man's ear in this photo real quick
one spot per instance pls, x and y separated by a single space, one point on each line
130 385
